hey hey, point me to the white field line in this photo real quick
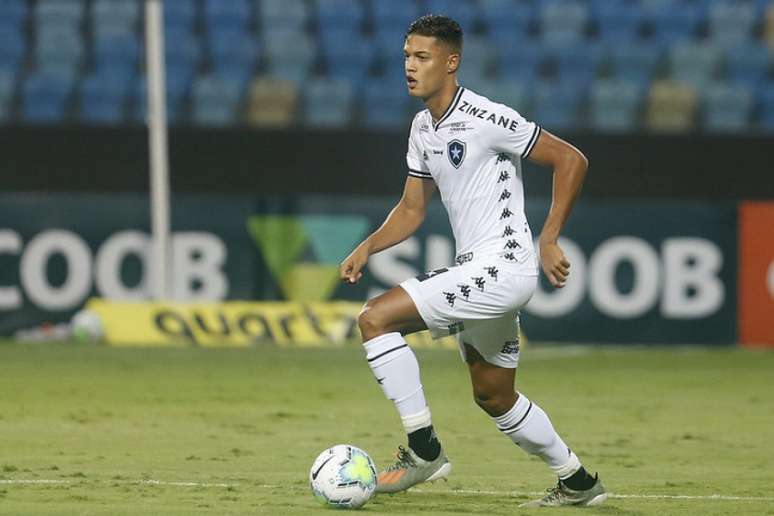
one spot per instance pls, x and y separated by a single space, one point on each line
719 497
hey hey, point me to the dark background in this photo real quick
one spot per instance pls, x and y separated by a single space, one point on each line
84 159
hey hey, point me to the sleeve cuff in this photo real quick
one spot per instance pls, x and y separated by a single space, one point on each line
532 141
419 173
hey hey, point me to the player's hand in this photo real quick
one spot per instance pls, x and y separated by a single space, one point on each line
351 267
555 264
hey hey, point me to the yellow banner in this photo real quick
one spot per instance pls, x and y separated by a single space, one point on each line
237 324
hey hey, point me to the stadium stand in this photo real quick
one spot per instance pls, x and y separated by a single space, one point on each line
671 107
564 59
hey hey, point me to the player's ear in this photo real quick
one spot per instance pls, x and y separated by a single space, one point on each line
453 63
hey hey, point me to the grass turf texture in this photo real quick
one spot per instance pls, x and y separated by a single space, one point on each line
123 431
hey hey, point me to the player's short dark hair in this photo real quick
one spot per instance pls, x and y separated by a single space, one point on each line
438 26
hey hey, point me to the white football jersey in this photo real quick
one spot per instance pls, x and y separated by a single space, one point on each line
473 153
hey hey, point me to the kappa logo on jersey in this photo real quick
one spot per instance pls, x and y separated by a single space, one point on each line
456 150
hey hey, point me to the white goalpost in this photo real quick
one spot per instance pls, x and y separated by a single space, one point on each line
158 150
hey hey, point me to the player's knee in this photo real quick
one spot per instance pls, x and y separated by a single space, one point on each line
370 321
493 403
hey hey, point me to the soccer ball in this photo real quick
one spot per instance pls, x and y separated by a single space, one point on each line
87 326
343 476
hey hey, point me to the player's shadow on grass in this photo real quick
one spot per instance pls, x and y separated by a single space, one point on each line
451 503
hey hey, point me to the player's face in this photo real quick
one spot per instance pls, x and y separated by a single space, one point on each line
429 64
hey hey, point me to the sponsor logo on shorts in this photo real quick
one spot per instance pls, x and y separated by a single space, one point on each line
463 258
511 347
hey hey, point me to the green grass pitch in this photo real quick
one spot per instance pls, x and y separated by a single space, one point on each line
96 430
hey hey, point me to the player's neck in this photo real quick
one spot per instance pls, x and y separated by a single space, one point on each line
440 102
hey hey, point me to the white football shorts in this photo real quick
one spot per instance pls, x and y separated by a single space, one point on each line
479 302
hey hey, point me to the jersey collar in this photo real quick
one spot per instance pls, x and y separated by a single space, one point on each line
451 108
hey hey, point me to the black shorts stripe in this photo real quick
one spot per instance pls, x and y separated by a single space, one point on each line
514 427
532 142
396 348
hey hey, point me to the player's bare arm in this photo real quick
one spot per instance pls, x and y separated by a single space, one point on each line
570 166
404 219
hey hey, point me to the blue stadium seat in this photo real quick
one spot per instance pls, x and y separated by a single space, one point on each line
577 64
59 13
118 47
12 46
109 16
183 48
748 64
464 12
116 75
675 21
283 14
385 104
727 107
615 104
60 53
13 13
233 13
396 13
44 98
214 100
102 99
731 23
557 105
393 67
233 49
60 46
342 14
180 15
513 93
328 103
522 62
635 62
695 64
290 56
563 22
618 22
388 39
346 54
480 57
507 21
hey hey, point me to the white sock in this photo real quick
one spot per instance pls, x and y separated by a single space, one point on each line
529 427
396 369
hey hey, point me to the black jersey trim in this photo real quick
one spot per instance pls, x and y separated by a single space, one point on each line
420 174
532 141
451 108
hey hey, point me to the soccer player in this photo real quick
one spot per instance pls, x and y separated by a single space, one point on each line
469 148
